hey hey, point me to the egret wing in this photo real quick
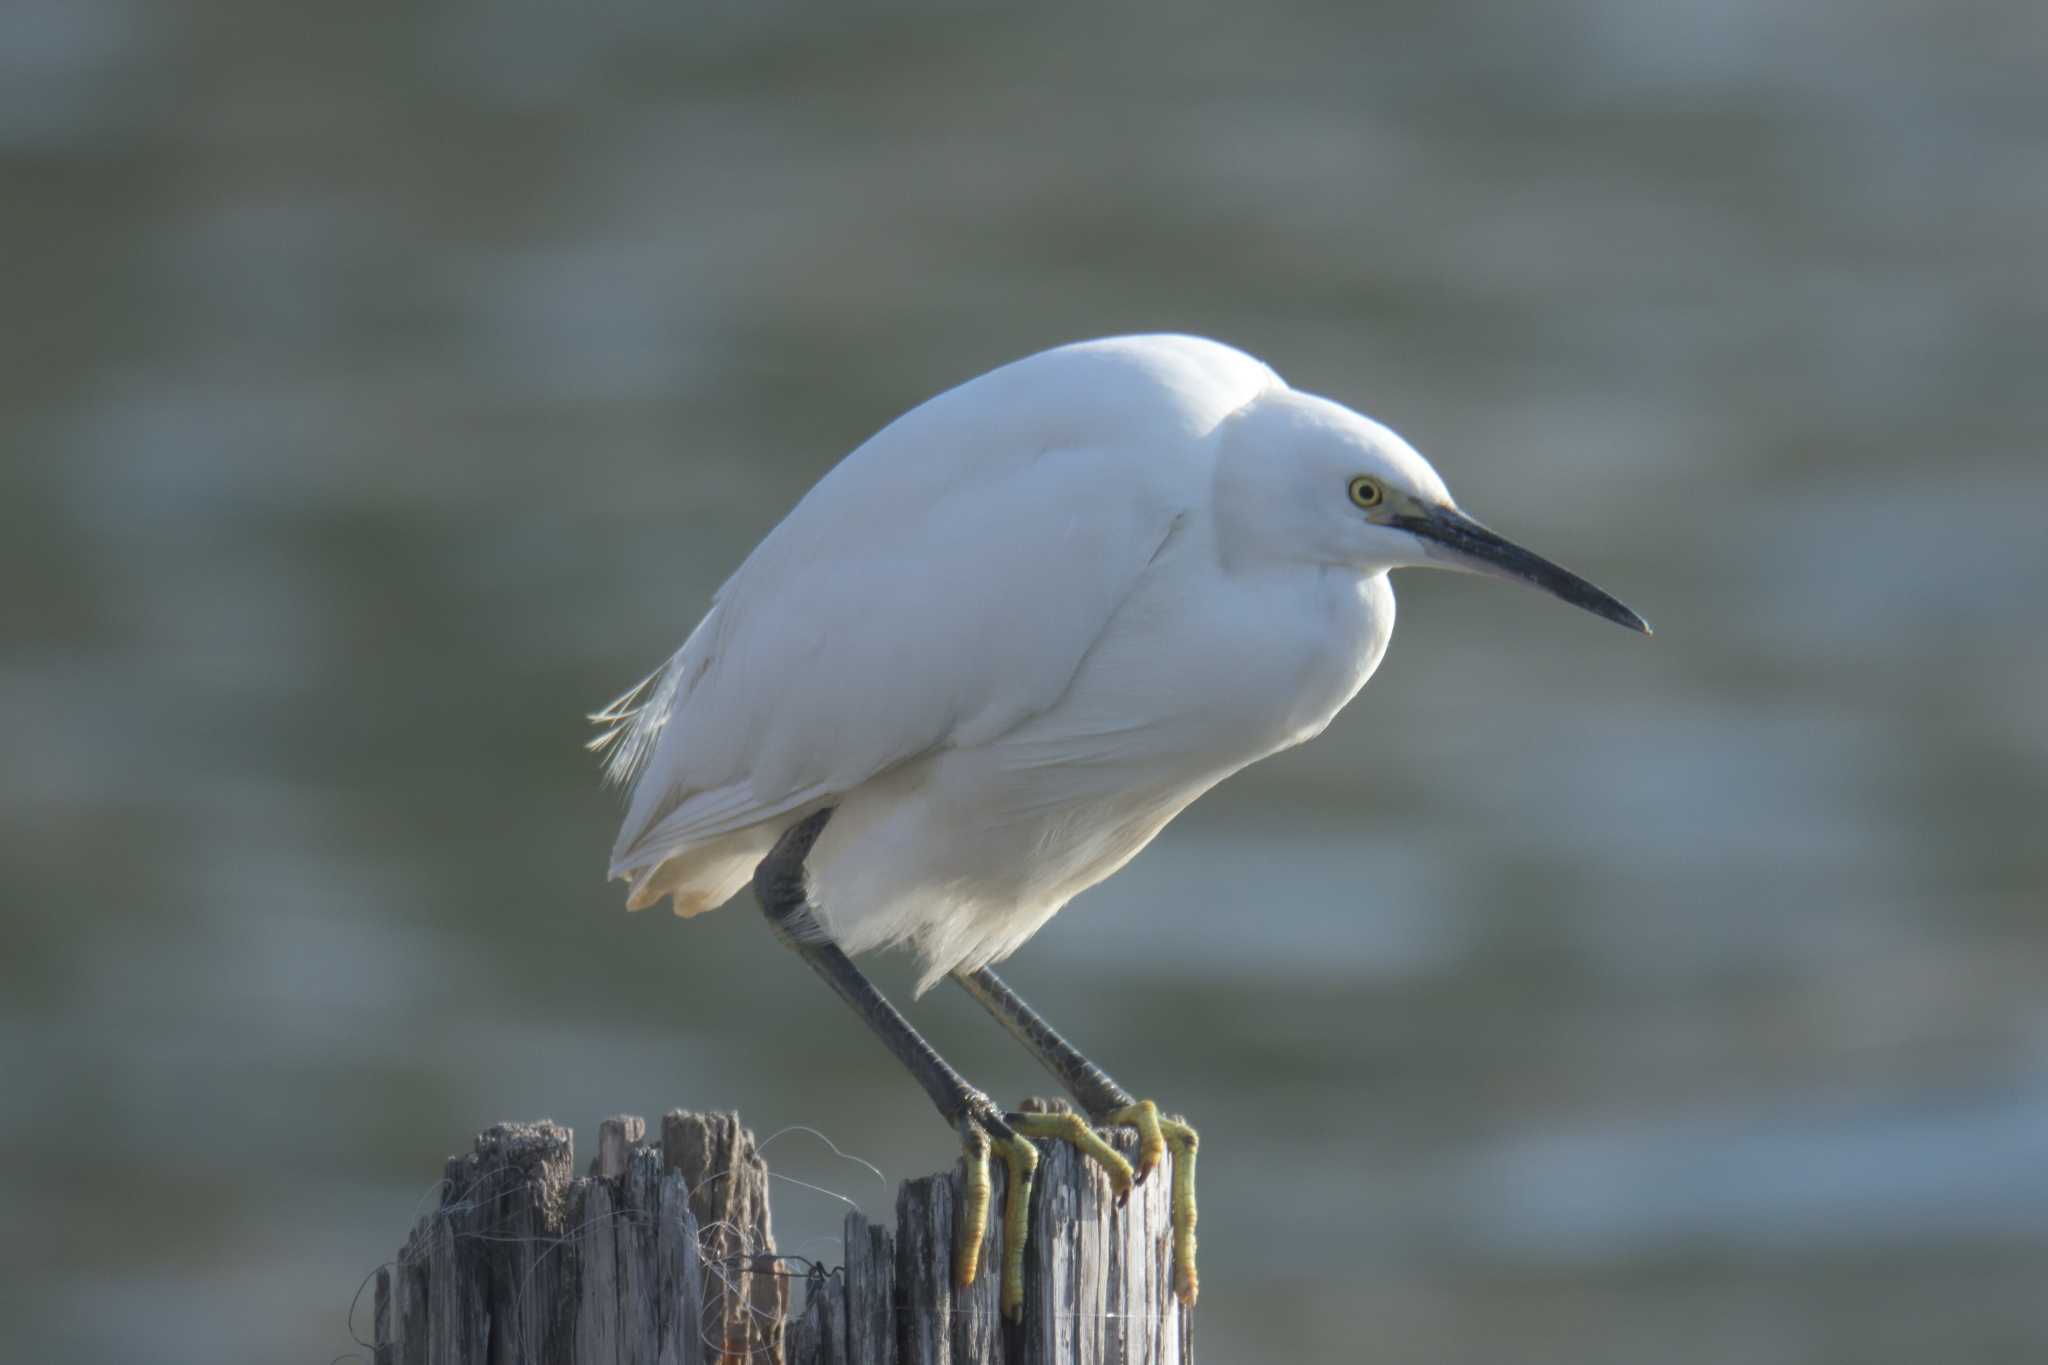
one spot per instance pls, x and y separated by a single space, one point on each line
857 637
937 587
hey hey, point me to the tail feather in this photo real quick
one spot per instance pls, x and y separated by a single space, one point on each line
701 878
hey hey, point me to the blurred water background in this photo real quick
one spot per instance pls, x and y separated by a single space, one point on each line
385 386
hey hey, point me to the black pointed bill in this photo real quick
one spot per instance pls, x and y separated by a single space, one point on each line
1461 542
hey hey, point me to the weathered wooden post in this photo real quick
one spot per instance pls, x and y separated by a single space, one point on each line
663 1254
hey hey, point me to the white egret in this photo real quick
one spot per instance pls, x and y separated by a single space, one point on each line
994 651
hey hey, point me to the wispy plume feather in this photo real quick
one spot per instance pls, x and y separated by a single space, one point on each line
634 721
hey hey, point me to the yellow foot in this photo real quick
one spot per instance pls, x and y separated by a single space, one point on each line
1158 1136
1069 1127
1020 1161
1020 1158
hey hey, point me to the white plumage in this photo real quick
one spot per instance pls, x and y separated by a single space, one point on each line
1011 636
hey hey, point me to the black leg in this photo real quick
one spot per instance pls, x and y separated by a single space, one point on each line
779 885
1100 1096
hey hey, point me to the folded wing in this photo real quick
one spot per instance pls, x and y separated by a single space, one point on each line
937 588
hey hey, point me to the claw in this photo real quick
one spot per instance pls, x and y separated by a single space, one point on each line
1144 1116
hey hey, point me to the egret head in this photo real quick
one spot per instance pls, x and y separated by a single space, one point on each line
1318 479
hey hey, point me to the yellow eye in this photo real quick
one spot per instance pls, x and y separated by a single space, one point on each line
1366 492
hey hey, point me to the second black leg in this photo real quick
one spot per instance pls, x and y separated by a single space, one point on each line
1100 1096
1106 1103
